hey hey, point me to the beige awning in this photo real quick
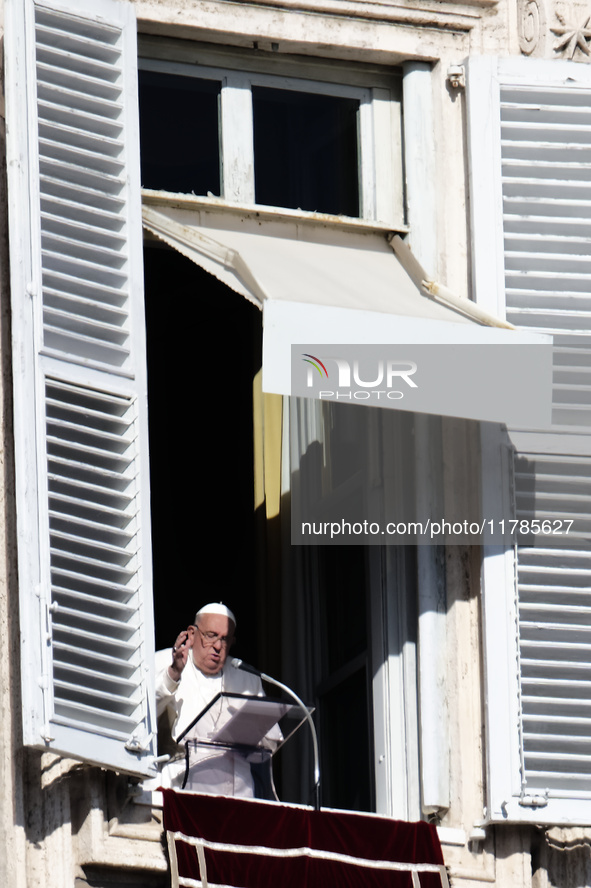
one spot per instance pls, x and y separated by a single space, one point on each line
330 281
309 262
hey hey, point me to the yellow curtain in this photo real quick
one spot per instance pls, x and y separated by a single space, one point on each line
267 430
267 425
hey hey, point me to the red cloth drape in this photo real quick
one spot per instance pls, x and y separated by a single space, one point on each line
249 844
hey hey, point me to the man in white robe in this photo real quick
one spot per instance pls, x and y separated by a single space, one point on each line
186 681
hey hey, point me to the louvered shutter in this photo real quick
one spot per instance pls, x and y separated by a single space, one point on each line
531 195
80 381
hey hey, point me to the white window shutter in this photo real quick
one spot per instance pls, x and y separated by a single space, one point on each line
80 381
531 223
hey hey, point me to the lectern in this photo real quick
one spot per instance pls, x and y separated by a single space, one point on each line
230 744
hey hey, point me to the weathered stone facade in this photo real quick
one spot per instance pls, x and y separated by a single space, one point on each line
64 823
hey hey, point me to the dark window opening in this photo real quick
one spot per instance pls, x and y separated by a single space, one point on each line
306 151
204 348
346 757
344 692
179 133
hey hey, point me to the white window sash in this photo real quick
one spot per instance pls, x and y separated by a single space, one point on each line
380 160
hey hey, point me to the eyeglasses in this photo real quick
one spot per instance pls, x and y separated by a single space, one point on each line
208 639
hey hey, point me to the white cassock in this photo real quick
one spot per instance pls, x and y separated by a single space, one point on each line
226 772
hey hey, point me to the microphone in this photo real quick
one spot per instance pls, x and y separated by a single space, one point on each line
237 663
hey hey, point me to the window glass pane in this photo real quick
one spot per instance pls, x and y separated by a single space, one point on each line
305 148
344 691
345 745
343 603
179 133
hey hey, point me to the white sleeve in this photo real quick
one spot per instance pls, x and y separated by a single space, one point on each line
166 687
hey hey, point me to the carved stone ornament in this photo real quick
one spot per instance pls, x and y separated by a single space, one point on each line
529 24
572 37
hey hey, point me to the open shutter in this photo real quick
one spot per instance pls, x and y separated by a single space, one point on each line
530 124
80 381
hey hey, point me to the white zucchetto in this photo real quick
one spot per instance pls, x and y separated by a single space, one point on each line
216 608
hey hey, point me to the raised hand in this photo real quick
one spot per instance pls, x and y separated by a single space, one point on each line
180 652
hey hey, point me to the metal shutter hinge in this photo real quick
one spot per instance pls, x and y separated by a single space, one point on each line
456 74
533 801
45 730
46 734
49 610
139 741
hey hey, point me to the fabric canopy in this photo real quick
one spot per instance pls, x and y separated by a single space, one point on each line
251 844
322 282
296 260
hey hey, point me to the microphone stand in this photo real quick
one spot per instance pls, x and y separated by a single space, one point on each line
237 663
